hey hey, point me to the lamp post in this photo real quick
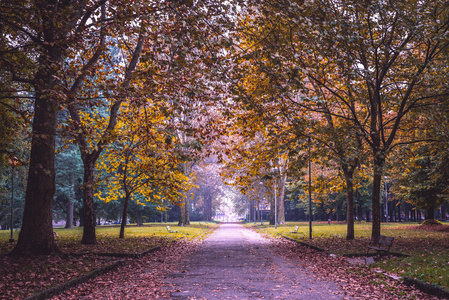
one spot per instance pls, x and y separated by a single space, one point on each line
275 206
260 203
255 214
275 172
386 198
249 210
310 195
12 163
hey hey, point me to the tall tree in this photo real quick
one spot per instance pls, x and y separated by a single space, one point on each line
42 35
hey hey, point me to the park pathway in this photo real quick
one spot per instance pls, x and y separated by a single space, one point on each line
237 263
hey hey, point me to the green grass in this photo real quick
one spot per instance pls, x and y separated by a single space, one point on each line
428 248
136 240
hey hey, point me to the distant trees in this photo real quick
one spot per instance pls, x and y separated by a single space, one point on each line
209 191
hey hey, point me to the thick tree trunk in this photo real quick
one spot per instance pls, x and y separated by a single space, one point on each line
207 208
431 212
182 213
36 235
139 220
89 236
251 211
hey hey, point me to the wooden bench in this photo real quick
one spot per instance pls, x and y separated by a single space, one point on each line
171 231
383 245
296 230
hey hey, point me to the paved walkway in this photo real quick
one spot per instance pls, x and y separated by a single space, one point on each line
238 263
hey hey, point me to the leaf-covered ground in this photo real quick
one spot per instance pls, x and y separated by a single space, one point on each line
428 246
142 278
359 281
24 276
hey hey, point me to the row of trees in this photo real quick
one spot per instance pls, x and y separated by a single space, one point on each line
146 90
358 87
125 83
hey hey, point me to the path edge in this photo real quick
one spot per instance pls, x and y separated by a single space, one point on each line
50 292
420 285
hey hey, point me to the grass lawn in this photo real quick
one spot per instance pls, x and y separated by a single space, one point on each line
428 246
24 276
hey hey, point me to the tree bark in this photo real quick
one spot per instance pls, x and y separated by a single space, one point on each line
182 213
281 207
273 208
375 198
139 221
124 214
36 235
69 224
348 173
187 211
431 212
89 236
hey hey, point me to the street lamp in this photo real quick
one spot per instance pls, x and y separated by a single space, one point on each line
12 163
310 195
260 203
386 198
275 207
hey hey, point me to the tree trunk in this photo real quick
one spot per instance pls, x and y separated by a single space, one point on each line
375 198
69 224
251 211
281 207
36 235
139 220
431 212
89 236
182 213
124 215
207 208
348 173
187 210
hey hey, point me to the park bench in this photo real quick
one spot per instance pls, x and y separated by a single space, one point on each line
296 230
383 245
171 231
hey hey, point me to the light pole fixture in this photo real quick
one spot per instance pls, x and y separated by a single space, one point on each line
260 203
275 206
386 198
310 195
275 171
